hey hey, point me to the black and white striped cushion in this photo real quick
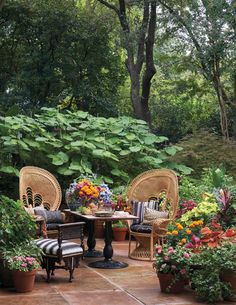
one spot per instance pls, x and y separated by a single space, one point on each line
50 247
138 209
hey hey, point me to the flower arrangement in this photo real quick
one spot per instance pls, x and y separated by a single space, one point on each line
23 263
87 196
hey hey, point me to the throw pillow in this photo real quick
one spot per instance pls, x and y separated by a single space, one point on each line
54 217
138 209
151 215
40 210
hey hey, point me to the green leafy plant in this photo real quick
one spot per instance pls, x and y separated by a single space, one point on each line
16 226
207 268
119 224
72 143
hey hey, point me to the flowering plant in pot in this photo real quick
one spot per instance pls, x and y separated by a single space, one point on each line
172 267
24 262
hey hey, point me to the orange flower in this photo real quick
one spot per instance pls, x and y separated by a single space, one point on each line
175 232
168 233
184 240
179 226
188 231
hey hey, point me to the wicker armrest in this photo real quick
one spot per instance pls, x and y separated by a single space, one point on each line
159 226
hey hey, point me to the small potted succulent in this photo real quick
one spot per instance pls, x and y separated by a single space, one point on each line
120 229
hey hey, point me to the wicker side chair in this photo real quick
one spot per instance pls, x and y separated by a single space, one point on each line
62 253
144 188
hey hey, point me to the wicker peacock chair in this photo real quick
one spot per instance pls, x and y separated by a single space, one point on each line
145 188
37 187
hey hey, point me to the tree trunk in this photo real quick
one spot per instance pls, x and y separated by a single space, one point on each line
222 106
140 56
1 4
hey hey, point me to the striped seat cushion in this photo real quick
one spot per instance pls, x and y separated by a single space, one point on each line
138 209
50 247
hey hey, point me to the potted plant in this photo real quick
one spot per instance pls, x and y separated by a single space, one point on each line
16 228
208 269
120 230
24 262
172 267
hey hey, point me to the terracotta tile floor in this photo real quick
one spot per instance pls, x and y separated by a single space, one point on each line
136 284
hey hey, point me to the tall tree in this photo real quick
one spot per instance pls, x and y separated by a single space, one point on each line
210 27
139 38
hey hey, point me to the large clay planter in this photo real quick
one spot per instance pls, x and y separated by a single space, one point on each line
119 234
24 281
230 277
168 283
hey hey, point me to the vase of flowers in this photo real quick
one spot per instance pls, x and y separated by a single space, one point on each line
82 194
23 271
87 197
172 267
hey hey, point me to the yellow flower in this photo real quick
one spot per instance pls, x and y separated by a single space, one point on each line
175 232
168 233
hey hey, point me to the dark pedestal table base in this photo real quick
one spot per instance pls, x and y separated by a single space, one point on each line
108 263
93 253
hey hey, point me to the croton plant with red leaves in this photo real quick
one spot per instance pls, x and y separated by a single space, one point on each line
214 235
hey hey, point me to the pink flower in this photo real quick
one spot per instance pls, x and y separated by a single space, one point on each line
166 258
182 271
24 265
186 255
189 245
171 250
195 239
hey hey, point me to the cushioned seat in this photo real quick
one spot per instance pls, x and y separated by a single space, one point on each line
142 228
50 247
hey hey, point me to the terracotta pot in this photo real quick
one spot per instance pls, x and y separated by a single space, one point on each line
24 281
230 277
119 234
169 284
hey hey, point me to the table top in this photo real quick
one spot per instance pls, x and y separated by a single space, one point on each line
113 217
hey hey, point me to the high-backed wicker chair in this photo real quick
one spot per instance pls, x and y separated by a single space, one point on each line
145 187
38 186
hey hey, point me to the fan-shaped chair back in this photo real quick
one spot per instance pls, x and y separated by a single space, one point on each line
38 186
150 184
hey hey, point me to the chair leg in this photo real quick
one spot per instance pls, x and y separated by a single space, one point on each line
129 244
71 274
151 248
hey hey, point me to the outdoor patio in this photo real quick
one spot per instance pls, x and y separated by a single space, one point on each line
136 284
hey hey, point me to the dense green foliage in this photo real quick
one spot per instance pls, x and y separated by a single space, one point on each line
16 225
55 52
75 143
203 150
